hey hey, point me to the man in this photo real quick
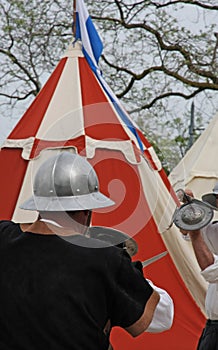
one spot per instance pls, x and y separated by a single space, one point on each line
63 290
205 245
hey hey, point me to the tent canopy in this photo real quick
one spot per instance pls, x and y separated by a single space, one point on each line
198 169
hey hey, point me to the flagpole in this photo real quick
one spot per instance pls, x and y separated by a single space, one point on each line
74 18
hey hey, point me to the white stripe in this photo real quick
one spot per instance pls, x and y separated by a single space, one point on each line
125 147
63 119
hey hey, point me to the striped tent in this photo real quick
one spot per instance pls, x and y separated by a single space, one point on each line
74 112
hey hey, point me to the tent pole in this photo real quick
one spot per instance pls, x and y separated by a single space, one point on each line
74 18
191 126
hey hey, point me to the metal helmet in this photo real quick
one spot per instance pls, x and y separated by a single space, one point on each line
210 198
66 182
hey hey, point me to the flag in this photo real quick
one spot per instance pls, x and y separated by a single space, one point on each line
92 48
85 31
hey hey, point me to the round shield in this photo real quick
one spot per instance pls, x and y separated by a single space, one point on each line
192 216
210 200
114 237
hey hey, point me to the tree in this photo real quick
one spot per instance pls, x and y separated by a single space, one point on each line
154 58
33 38
157 60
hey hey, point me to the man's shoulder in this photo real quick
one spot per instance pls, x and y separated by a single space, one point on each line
8 227
4 224
101 250
90 242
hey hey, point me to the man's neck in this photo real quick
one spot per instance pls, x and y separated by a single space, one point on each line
47 228
37 227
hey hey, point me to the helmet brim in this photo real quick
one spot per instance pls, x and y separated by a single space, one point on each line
90 201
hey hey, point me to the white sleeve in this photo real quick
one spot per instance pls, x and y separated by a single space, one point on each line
164 312
210 274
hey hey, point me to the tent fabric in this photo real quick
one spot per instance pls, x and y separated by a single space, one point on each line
198 169
198 172
73 112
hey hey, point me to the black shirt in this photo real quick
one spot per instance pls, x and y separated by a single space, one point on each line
57 295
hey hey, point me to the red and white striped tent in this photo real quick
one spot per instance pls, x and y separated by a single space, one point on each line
73 112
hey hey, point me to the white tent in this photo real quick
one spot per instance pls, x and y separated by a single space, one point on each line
198 170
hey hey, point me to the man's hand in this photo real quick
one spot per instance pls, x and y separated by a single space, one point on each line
189 193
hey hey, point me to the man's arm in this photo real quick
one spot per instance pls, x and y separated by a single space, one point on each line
144 321
149 307
203 255
164 313
160 313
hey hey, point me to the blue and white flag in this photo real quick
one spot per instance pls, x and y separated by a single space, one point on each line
85 31
92 48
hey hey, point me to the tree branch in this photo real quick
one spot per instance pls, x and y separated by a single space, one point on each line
15 61
165 47
190 2
166 94
17 97
162 68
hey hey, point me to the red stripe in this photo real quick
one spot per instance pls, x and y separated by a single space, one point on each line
169 186
100 120
13 168
31 120
78 143
143 139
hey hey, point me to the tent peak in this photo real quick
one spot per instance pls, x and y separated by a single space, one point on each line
74 50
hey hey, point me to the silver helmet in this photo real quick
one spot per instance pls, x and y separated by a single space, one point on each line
66 182
210 198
